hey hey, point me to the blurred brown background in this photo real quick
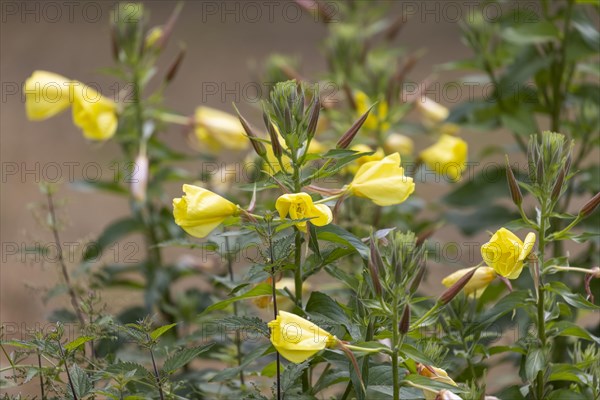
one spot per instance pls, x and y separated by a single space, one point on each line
225 42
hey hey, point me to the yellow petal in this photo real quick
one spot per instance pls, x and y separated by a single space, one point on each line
478 282
200 211
528 245
93 113
46 94
298 339
447 157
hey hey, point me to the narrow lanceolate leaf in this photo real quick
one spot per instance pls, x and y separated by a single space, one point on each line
158 332
183 357
347 137
262 289
534 363
75 344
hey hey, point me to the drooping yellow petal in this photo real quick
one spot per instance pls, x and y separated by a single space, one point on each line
200 211
46 94
298 339
436 374
383 182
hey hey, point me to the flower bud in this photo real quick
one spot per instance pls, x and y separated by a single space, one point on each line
172 71
275 145
347 137
375 266
314 117
513 185
259 148
589 207
558 185
404 325
416 282
453 290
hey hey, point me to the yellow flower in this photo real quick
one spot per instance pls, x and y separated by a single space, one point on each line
505 252
93 113
377 119
447 157
436 374
219 130
300 206
478 282
46 94
433 112
200 211
297 339
397 143
382 181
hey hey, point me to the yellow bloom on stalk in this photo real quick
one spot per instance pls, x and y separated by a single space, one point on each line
478 282
219 130
447 157
200 211
298 339
505 252
397 143
46 94
300 206
377 119
436 374
383 182
93 113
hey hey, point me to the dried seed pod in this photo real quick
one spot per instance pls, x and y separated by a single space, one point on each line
347 137
589 207
455 289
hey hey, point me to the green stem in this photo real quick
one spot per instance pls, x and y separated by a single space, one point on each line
395 383
541 326
238 341
275 310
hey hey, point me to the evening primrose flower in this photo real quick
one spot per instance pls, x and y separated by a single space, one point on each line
300 206
505 252
200 211
383 182
298 339
219 130
447 157
94 114
437 374
478 282
377 119
397 143
46 94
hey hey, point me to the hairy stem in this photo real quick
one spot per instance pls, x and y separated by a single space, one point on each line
238 342
275 310
157 376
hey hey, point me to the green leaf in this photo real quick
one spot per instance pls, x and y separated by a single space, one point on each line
320 305
335 234
534 363
565 372
574 299
183 357
262 289
541 31
110 187
246 324
161 330
74 345
430 383
507 304
291 373
568 328
82 385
